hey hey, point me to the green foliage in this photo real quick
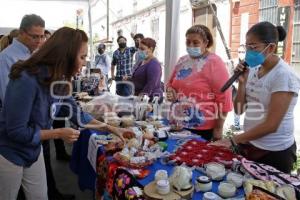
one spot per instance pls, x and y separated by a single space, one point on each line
297 163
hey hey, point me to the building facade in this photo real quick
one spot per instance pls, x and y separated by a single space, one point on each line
245 13
149 17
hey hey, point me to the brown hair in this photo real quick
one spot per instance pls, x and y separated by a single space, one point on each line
149 42
204 33
4 42
58 54
13 33
8 39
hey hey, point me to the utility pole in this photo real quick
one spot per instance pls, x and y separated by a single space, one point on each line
221 34
90 36
107 19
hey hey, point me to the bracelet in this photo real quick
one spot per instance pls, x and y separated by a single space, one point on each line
232 142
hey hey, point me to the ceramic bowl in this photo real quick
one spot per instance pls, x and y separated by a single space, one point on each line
210 196
235 178
215 170
226 189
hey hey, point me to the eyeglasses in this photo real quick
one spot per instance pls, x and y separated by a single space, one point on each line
252 46
35 37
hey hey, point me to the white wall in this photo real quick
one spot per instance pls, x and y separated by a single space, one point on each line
186 20
223 13
143 22
53 12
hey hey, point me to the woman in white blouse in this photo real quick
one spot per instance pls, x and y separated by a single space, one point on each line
267 93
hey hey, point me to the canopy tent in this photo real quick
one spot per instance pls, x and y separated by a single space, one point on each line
172 29
172 34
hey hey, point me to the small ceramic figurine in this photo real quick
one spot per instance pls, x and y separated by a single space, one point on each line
181 178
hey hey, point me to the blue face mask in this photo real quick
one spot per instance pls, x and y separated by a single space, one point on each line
194 51
142 55
254 58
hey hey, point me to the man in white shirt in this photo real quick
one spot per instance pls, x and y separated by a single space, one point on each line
102 60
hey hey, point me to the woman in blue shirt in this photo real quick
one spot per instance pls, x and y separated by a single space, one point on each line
38 91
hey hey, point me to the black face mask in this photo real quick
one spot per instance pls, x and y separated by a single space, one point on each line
122 45
137 44
101 51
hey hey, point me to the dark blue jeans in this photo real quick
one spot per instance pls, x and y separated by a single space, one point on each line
123 89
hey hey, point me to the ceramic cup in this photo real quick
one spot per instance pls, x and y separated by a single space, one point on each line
161 175
203 184
163 187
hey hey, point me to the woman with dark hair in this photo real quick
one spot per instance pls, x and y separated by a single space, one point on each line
194 87
146 76
38 92
267 93
6 40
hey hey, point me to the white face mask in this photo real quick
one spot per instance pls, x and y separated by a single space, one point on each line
194 51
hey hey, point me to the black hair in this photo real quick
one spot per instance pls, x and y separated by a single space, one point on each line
31 20
138 35
204 33
266 32
120 37
47 32
101 46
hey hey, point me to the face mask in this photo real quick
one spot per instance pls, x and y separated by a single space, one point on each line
122 45
255 58
137 44
142 55
101 51
194 51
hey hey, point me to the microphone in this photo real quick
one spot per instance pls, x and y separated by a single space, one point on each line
233 78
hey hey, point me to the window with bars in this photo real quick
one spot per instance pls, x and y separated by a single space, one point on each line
203 15
268 10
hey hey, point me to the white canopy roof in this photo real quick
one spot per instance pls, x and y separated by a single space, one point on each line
172 30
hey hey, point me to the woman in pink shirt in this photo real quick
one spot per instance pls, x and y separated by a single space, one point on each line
194 87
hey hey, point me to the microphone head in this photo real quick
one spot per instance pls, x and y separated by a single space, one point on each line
234 77
245 64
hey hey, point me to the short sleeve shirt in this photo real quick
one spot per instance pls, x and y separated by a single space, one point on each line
258 96
124 61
